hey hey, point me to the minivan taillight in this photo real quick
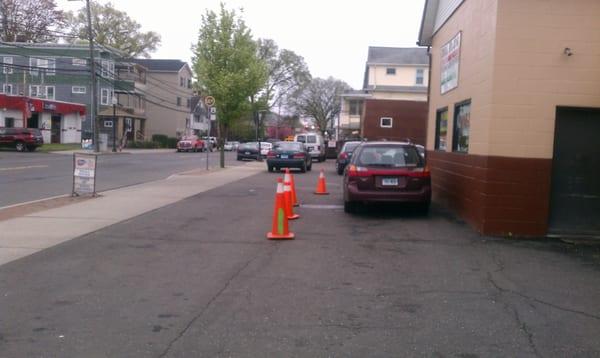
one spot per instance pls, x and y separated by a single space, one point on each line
271 154
344 155
420 172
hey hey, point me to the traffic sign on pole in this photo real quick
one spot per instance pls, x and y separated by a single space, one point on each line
209 101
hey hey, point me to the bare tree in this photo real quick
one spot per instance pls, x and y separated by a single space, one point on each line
320 100
30 20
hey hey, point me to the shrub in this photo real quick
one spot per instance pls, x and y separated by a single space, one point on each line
144 145
171 143
162 139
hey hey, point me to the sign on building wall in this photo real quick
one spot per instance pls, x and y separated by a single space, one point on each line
450 55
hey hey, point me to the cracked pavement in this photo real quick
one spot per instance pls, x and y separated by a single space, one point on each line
199 279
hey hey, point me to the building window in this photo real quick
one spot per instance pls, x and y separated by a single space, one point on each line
189 103
108 69
390 71
385 122
105 97
7 68
78 89
462 123
355 108
9 122
34 91
79 62
7 88
419 80
33 64
181 81
189 83
179 101
441 129
50 92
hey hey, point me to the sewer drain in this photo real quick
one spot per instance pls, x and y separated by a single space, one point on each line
317 206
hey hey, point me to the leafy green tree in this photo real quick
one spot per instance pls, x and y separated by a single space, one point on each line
30 20
114 28
227 67
320 100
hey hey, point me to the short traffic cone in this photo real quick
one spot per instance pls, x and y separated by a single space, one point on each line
289 177
321 186
280 229
289 205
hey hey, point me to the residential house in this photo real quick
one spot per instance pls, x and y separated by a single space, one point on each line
168 96
57 72
393 101
199 119
514 113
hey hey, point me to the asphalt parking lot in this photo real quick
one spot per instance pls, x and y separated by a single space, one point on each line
198 278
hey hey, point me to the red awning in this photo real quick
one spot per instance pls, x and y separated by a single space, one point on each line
28 105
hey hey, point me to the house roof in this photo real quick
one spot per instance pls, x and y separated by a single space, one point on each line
428 22
160 65
397 56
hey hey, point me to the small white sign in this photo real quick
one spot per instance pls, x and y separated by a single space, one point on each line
84 173
108 124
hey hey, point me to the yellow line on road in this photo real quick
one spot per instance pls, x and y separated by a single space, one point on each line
25 167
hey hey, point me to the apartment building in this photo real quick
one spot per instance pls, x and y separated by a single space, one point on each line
393 101
57 72
168 96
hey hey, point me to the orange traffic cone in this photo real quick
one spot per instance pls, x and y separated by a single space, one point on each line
280 229
321 186
289 205
289 177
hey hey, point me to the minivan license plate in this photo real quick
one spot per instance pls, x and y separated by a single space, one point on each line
247 153
284 156
389 181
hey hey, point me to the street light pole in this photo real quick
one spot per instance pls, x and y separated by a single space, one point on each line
114 103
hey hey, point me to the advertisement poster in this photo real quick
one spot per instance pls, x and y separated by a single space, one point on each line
450 55
84 173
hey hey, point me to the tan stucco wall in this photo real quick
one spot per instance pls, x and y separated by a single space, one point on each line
405 75
477 21
161 120
532 75
400 96
515 72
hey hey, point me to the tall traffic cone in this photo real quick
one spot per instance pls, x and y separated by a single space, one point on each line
280 229
289 205
321 186
289 177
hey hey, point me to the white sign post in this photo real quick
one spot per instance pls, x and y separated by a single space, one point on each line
84 174
450 56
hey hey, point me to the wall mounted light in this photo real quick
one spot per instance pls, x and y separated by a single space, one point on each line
567 51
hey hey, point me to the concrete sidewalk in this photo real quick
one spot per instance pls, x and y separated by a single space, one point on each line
34 232
125 151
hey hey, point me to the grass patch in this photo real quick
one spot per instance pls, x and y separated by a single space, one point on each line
56 147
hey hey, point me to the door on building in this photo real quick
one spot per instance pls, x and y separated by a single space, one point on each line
33 121
56 129
575 193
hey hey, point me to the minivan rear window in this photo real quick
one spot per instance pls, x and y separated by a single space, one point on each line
301 139
311 139
389 156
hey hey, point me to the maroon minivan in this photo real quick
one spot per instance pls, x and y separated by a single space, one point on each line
391 172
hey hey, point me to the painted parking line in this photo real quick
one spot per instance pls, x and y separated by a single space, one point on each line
23 167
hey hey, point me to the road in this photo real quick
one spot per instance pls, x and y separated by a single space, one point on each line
199 279
32 176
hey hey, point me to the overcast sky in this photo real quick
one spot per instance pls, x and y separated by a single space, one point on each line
333 36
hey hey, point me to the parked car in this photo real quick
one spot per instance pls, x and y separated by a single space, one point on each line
231 145
387 172
315 144
265 147
248 151
289 155
22 139
345 155
191 144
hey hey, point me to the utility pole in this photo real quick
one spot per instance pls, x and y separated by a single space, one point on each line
95 126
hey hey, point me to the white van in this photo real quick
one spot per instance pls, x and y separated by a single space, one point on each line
315 144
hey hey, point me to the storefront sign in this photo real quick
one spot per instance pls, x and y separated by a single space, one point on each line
84 173
49 106
450 55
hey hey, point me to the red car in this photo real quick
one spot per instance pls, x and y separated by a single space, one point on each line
22 139
190 144
390 172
